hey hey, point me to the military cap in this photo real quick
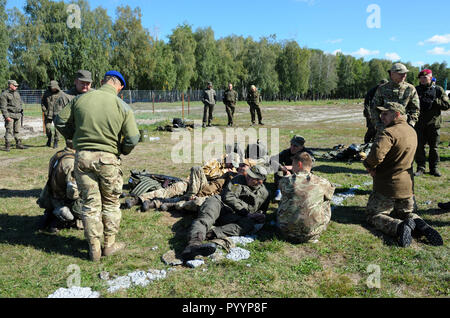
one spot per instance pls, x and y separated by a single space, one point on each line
397 107
234 159
257 172
53 84
399 68
209 83
13 82
84 76
298 140
425 72
118 75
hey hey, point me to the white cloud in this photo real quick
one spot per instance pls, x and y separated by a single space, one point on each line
421 43
393 56
336 51
438 51
438 39
365 52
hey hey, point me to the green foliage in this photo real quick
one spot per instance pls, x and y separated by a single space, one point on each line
4 43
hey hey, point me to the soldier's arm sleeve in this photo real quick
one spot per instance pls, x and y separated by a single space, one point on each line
3 104
328 190
443 101
413 109
71 183
265 206
64 121
374 112
130 132
230 197
43 107
380 148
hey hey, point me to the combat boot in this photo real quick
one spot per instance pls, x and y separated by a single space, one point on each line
111 246
196 247
19 145
431 234
49 141
55 144
419 172
168 206
435 172
147 205
7 146
404 231
95 250
131 202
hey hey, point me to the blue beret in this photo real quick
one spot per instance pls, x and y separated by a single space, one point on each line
118 75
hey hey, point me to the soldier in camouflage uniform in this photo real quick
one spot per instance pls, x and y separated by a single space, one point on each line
399 91
209 100
239 210
48 103
305 209
60 197
82 84
230 97
433 100
254 101
368 100
12 111
391 205
102 127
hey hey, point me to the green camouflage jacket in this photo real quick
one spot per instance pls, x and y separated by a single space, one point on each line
11 104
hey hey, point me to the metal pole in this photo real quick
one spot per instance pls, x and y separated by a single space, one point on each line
182 105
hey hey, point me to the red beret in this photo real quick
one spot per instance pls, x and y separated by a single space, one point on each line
425 72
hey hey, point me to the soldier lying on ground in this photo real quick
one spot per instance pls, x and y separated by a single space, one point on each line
60 197
305 208
209 175
239 210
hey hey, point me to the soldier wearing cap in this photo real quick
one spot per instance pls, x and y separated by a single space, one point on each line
391 205
283 161
399 91
368 100
254 101
48 104
82 84
305 209
12 111
239 210
230 97
102 127
433 100
209 100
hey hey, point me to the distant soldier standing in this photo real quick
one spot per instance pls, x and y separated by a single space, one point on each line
102 128
230 97
12 111
254 101
48 104
371 130
432 101
399 91
209 100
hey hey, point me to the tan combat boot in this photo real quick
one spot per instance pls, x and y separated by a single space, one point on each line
95 250
111 246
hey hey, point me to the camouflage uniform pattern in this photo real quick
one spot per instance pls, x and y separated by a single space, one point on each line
305 208
385 213
254 101
174 190
48 103
230 99
209 100
11 107
100 179
403 93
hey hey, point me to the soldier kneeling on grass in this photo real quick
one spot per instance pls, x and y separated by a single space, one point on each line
60 197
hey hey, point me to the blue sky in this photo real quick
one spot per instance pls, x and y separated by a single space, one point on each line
412 31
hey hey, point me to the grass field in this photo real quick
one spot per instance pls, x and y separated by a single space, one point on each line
34 264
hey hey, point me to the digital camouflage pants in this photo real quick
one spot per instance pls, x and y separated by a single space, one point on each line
12 130
49 131
100 179
385 214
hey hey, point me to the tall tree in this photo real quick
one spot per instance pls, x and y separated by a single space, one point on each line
205 58
164 76
183 46
4 43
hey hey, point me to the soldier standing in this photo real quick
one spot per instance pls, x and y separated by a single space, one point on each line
230 97
238 211
102 127
12 111
368 100
432 101
209 100
48 104
399 91
391 205
305 209
82 84
254 101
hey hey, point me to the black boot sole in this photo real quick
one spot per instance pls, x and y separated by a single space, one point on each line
433 236
404 236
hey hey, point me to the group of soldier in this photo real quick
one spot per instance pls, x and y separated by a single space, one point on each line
229 194
230 98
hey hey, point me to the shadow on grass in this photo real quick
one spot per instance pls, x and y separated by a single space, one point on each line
9 193
23 231
337 169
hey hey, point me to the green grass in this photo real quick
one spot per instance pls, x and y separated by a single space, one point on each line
34 264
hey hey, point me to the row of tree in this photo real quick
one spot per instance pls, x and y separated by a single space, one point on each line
40 44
